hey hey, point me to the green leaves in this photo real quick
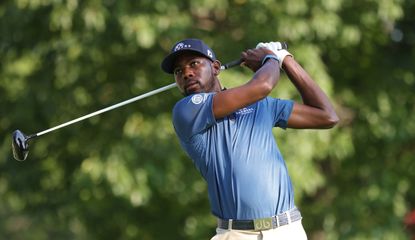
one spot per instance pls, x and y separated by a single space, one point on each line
122 175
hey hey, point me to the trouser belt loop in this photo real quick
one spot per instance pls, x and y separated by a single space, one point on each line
230 224
288 216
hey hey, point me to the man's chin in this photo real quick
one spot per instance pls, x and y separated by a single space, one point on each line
187 93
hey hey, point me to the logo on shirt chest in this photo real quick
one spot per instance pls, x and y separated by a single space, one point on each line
198 99
244 111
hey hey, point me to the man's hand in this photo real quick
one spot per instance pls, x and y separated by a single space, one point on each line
276 48
252 58
273 46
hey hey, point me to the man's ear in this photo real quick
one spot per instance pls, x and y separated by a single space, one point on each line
216 67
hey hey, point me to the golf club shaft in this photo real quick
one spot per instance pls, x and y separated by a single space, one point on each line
159 90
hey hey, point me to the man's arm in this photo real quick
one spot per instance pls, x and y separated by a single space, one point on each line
262 83
316 110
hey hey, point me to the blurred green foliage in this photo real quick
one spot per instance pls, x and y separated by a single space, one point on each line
122 175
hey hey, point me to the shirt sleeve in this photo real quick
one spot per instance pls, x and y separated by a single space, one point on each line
281 111
193 114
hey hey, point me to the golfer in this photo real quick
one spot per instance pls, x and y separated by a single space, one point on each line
228 135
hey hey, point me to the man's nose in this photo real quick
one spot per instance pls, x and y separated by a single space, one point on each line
188 72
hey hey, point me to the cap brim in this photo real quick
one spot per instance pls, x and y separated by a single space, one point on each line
168 63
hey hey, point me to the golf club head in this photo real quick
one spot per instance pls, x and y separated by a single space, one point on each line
20 145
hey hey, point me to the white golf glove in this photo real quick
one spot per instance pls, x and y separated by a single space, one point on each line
276 48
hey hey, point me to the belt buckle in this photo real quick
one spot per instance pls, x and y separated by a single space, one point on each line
262 224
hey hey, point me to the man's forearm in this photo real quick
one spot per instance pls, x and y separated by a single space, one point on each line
311 94
266 77
262 83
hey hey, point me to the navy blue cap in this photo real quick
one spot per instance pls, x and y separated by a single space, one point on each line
192 45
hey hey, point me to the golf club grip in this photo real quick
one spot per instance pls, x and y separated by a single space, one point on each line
232 64
238 62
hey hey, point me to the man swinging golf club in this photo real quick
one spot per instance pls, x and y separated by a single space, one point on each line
228 135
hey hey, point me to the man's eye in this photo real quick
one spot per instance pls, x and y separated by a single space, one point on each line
194 63
177 71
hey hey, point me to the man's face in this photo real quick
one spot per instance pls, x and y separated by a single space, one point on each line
194 73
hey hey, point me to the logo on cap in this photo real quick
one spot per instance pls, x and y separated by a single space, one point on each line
181 46
209 53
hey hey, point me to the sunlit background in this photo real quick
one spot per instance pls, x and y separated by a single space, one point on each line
123 175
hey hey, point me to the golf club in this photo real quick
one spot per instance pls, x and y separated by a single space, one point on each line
20 141
238 62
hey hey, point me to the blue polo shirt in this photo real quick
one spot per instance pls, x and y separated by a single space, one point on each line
237 155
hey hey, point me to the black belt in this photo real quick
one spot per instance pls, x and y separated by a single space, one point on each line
262 223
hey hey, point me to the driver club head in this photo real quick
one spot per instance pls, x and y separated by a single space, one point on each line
20 145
